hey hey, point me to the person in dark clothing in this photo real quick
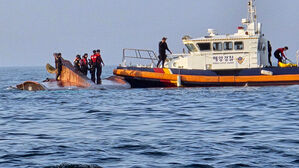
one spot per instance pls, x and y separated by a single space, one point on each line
96 63
55 55
269 53
162 51
92 64
279 54
100 64
77 63
58 64
84 64
90 68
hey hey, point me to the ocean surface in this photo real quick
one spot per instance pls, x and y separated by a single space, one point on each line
225 127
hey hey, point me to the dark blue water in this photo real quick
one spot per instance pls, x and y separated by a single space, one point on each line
147 128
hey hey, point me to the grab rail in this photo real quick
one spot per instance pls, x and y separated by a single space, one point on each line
150 55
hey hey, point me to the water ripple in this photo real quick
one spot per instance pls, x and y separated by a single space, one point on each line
180 128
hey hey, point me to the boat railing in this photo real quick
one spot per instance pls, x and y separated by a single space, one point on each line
142 56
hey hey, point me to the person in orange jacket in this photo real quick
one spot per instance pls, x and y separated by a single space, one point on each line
92 64
84 64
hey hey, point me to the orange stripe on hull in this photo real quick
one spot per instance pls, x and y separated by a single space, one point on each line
227 79
142 74
264 78
206 79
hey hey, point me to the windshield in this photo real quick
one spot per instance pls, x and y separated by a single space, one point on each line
191 48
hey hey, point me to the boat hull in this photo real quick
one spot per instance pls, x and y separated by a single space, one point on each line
158 77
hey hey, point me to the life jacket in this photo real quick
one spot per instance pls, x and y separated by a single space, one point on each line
94 58
99 58
84 62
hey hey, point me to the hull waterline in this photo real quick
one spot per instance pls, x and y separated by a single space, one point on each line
158 77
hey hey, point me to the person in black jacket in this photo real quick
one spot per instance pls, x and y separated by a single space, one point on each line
58 64
162 51
100 64
269 53
77 63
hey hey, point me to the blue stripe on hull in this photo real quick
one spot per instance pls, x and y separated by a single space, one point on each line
152 83
145 83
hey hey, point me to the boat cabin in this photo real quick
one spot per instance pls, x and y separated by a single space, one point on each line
245 49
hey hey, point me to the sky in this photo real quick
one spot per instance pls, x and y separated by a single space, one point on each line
32 30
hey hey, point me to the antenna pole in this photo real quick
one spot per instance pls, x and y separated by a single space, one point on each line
252 14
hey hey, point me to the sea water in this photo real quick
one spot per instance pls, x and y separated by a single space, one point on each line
146 128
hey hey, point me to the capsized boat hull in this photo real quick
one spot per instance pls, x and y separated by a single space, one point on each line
31 86
158 77
113 82
71 79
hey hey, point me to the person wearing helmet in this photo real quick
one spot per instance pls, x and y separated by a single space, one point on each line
162 51
279 54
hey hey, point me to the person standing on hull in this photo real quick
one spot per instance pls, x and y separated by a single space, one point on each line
77 63
58 64
279 54
99 64
84 64
93 61
162 51
269 53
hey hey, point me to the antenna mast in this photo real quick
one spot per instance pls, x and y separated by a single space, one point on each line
251 22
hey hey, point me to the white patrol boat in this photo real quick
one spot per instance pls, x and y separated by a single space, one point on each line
214 60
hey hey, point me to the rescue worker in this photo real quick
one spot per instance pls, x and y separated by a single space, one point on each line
279 54
99 65
269 53
58 64
77 63
162 51
92 64
84 64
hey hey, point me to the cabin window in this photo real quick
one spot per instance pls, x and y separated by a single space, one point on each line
217 46
204 46
228 45
239 45
191 48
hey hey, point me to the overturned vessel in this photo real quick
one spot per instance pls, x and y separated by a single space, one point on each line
239 59
71 78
